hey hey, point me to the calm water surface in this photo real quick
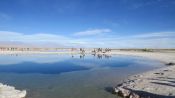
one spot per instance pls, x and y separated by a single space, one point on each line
70 76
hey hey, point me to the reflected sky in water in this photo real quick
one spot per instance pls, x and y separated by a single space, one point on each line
70 76
56 64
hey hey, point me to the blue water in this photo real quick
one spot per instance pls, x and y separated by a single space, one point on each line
70 76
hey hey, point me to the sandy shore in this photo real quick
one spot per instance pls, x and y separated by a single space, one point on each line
159 83
165 57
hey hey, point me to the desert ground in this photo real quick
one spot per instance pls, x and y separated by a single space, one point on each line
159 83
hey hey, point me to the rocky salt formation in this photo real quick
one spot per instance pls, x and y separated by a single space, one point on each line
10 92
159 83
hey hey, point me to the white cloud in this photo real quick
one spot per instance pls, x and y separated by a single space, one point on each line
14 36
147 40
40 39
156 35
92 32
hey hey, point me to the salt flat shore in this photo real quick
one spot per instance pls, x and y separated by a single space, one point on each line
165 56
158 83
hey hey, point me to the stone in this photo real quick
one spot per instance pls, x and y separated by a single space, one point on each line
170 64
123 92
134 95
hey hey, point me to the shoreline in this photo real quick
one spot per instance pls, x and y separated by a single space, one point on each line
157 83
165 57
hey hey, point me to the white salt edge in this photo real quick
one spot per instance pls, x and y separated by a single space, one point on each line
7 91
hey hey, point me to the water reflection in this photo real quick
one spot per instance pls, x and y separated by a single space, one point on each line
56 64
102 56
82 56
69 76
48 68
9 59
50 64
98 56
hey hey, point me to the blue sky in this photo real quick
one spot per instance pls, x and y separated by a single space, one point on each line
89 23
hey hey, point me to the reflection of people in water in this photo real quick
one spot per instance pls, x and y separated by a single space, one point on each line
82 56
107 56
94 54
12 54
72 56
101 56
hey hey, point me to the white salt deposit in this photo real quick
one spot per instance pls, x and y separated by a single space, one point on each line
7 91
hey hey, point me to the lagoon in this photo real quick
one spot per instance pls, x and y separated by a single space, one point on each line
70 76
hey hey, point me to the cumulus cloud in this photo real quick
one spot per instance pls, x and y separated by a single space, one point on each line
92 32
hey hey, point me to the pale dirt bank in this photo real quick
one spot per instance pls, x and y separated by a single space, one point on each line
165 57
159 83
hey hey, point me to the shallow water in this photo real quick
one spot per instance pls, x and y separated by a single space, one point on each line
70 76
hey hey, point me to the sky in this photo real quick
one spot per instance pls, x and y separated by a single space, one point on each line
88 23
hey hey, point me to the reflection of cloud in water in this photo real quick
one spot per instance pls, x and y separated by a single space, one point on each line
46 68
16 59
87 64
43 58
55 64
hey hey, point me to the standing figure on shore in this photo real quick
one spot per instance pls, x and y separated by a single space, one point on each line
82 51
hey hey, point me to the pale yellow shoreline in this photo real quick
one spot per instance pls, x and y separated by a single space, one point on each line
158 83
161 56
